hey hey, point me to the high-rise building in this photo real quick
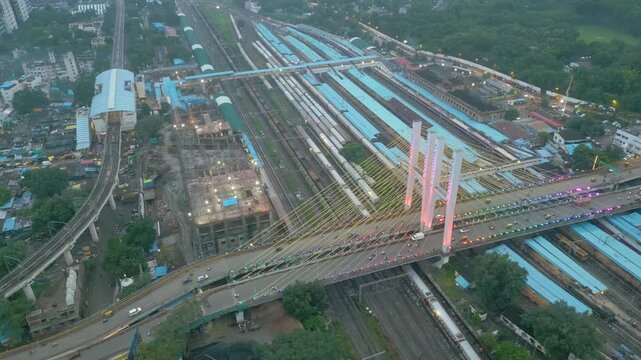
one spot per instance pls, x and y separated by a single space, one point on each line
8 17
70 66
21 9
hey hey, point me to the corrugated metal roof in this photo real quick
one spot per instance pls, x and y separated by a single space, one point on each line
83 138
114 92
229 112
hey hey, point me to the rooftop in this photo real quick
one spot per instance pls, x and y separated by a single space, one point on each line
113 92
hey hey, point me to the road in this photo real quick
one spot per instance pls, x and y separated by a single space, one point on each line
346 262
65 239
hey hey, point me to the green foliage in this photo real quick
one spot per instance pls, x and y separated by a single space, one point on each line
544 137
170 337
83 92
46 182
149 126
305 301
58 208
511 114
10 254
141 233
510 351
5 194
306 345
499 281
24 101
139 283
13 312
122 259
561 330
354 152
588 126
583 156
613 153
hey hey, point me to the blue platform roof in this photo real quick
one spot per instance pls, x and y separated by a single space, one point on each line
565 264
230 201
462 282
9 224
114 92
83 139
541 284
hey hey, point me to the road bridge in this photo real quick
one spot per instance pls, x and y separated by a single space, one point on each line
110 100
256 283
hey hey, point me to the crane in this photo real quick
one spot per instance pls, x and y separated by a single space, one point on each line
567 94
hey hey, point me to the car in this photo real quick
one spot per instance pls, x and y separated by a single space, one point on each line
135 311
202 278
187 280
463 231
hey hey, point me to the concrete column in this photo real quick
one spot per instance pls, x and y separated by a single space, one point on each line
452 191
427 178
437 168
68 258
28 291
411 165
112 202
94 232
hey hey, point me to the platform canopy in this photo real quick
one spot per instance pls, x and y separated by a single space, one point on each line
113 91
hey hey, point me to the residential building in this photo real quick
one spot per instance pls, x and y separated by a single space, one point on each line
3 30
9 88
85 61
569 139
88 26
21 9
252 6
8 17
629 141
71 68
56 67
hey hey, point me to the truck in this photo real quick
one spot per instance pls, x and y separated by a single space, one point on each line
417 236
581 200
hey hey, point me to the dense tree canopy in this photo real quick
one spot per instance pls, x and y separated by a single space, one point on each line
58 209
510 351
5 195
562 330
170 337
499 281
24 101
149 126
306 345
304 301
84 91
141 233
14 311
46 182
123 259
11 254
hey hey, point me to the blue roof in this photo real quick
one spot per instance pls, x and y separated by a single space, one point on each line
324 48
160 270
303 48
7 85
569 148
566 264
230 201
9 224
114 92
541 284
619 253
83 139
484 128
172 93
252 151
462 282
277 44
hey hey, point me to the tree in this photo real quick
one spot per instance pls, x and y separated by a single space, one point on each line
354 152
510 351
10 254
5 195
141 234
46 182
544 137
511 114
122 259
613 154
562 331
83 92
499 281
304 301
170 337
57 208
24 101
149 126
307 345
583 157
13 312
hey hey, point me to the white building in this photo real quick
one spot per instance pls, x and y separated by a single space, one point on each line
628 141
57 67
9 88
21 9
70 66
252 6
8 17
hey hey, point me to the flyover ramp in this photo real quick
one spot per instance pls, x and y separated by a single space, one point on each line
93 331
65 239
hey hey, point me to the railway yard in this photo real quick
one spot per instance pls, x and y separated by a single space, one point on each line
295 126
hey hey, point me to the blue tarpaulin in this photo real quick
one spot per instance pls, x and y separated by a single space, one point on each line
9 224
462 282
160 271
230 201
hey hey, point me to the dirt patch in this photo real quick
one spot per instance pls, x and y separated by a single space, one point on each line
270 319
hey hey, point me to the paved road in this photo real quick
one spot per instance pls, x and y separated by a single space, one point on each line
343 265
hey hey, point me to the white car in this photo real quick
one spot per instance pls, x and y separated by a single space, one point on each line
135 311
202 278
